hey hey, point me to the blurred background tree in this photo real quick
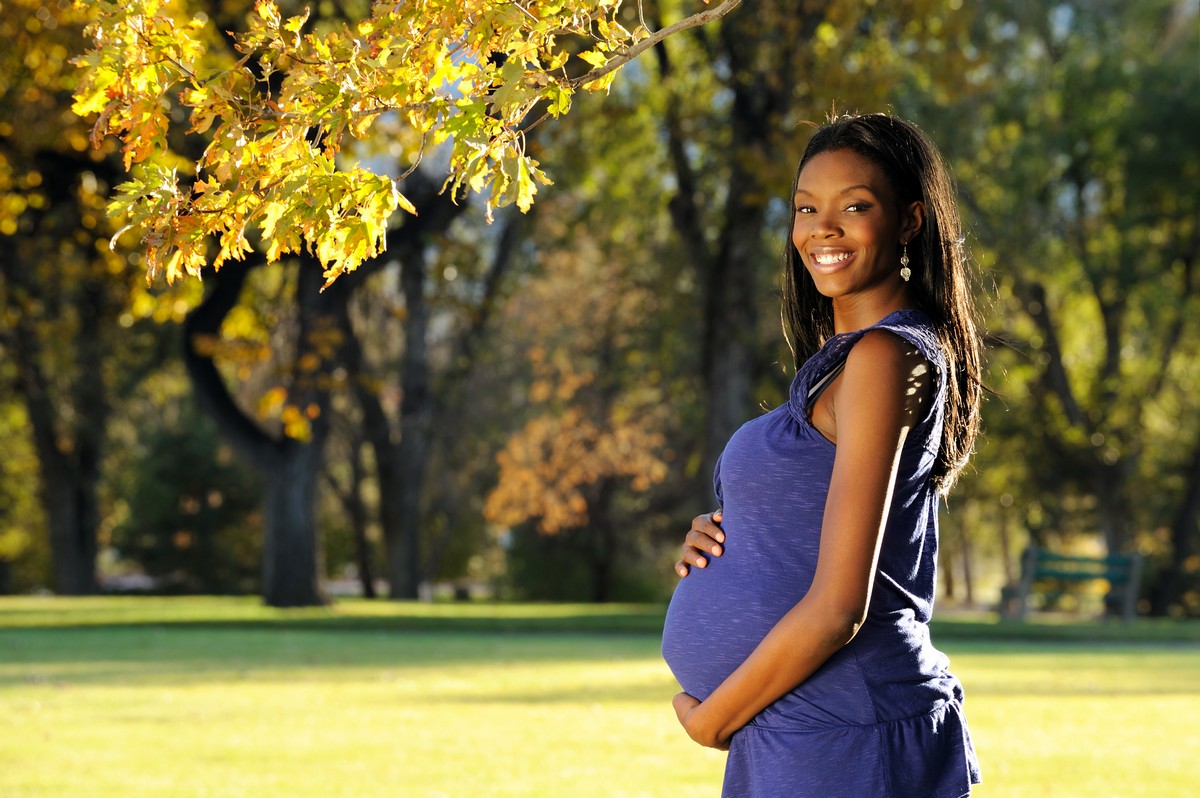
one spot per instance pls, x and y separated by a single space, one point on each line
1071 174
80 330
532 408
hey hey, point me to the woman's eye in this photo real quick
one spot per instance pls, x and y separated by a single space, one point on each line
854 207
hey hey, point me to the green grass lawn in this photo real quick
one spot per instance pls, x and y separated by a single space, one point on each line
125 698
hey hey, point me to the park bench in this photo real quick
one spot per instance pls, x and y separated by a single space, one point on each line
1051 575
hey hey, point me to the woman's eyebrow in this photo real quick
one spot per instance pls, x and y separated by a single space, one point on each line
846 190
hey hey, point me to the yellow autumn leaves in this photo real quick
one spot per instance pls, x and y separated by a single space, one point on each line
284 107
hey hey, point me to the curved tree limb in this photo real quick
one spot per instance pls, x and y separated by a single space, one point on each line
695 20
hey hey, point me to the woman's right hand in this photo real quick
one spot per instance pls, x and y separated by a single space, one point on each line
704 539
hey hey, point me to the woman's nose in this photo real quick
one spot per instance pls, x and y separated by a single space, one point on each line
824 225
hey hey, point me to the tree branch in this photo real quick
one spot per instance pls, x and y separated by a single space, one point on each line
695 20
1055 375
1174 335
685 211
212 395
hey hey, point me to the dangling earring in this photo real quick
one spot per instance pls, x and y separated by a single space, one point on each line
905 272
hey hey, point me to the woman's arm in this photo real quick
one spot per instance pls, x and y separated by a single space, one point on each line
875 402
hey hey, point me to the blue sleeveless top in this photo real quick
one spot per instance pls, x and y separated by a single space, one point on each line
883 716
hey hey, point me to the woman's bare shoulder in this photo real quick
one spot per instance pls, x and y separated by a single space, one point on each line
890 368
885 350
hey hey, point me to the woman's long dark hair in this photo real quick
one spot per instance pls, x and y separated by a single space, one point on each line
940 284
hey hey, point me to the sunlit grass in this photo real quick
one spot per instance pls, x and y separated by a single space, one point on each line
223 698
1088 720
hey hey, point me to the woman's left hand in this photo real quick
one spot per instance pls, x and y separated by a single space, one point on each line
685 706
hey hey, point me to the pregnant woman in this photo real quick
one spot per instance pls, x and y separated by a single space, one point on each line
800 633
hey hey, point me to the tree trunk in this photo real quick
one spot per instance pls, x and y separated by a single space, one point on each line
68 453
291 551
291 565
404 546
70 501
603 544
350 496
375 431
452 385
358 517
1111 488
732 299
401 463
52 274
968 575
402 553
949 586
1184 529
1006 546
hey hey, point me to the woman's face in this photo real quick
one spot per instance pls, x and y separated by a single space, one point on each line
849 226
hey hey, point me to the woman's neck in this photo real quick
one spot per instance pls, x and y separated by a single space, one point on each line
858 312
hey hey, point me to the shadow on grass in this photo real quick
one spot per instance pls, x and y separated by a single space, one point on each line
139 655
194 652
364 615
471 668
213 613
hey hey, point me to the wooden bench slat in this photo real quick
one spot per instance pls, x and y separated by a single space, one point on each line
1079 576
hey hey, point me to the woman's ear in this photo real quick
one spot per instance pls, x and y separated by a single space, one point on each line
912 220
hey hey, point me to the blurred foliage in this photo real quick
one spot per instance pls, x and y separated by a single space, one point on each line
598 379
581 362
1072 175
24 548
559 567
189 520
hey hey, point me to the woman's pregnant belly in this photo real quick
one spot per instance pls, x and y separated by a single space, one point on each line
719 614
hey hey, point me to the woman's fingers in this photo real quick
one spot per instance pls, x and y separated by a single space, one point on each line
701 543
704 539
709 524
706 535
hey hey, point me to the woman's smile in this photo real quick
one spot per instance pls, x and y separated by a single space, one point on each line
827 261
